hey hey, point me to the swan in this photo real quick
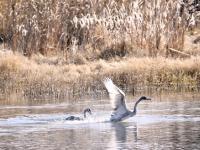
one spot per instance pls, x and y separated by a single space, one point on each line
87 110
118 102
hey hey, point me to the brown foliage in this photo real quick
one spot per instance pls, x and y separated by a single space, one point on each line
45 78
68 26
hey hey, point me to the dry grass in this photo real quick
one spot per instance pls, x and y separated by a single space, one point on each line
72 45
26 78
192 47
70 28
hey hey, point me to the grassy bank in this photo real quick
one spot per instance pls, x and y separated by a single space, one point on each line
63 48
47 78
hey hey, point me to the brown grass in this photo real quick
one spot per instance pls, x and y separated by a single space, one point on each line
72 45
26 78
72 27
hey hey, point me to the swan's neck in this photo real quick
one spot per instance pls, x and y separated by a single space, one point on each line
135 107
84 114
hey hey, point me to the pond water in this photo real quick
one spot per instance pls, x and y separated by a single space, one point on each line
163 123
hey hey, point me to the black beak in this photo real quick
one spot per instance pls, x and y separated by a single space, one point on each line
148 99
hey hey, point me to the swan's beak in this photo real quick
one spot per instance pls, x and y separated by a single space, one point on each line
148 99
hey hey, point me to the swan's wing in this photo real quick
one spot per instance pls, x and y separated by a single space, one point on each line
117 98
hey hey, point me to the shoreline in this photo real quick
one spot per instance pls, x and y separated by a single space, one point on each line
21 77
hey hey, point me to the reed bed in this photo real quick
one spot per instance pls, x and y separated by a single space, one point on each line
92 28
63 49
21 77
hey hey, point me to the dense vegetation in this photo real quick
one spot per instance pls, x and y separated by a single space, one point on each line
97 29
72 45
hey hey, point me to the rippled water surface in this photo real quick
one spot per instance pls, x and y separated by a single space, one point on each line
163 123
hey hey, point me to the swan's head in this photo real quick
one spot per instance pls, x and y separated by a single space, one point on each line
87 110
144 98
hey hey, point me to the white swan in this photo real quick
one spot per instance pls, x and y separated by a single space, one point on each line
118 102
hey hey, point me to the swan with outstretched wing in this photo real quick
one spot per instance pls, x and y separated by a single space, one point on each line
118 102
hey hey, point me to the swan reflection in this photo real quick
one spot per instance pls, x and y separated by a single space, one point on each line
120 135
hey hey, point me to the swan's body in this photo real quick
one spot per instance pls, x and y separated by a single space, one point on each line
72 118
118 102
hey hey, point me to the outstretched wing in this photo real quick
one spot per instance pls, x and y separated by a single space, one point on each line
117 98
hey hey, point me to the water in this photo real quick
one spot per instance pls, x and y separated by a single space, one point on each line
159 124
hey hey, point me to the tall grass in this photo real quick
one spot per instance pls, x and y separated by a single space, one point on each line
21 77
92 28
75 33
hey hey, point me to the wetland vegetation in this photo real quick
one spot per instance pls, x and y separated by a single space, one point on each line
61 49
54 55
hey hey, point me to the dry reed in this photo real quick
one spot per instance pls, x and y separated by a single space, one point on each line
32 79
72 45
92 27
